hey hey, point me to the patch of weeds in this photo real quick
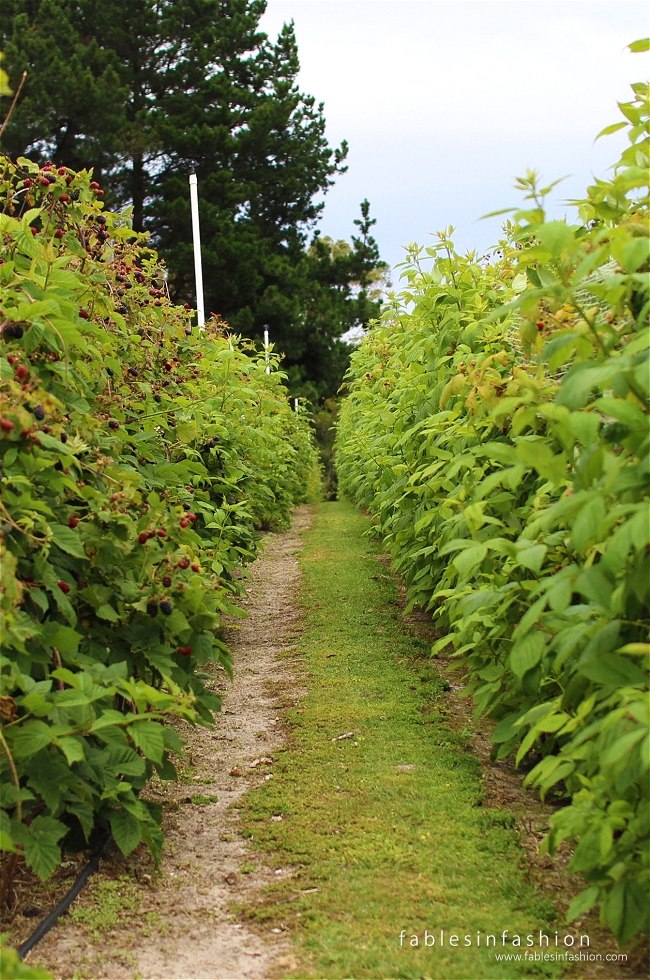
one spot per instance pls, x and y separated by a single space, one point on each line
498 818
247 868
200 798
111 900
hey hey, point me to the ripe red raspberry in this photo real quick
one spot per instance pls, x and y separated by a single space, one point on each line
196 568
183 563
28 182
61 171
21 372
94 186
143 537
191 516
84 314
59 233
7 425
161 533
65 588
184 651
73 522
64 198
184 522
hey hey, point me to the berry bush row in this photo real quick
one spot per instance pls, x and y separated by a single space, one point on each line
496 426
140 461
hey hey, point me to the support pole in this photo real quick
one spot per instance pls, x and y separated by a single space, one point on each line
267 357
295 404
196 239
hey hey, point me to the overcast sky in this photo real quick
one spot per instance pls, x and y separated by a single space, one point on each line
444 103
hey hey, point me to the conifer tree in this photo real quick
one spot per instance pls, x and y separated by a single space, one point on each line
148 91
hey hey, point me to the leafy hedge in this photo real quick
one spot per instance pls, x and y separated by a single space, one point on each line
496 426
140 459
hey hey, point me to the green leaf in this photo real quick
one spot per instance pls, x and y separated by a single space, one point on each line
528 653
64 638
532 557
555 236
148 736
72 748
124 760
609 668
643 44
107 612
469 558
625 909
126 829
31 738
613 128
583 903
40 844
67 540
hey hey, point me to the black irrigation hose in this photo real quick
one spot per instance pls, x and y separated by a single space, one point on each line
49 920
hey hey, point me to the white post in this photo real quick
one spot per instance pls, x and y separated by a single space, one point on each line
266 350
295 404
196 238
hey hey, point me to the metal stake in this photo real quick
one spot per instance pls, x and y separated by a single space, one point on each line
267 356
196 239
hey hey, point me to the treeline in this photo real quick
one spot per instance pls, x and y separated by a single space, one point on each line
145 92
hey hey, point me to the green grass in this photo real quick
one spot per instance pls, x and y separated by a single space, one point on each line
380 848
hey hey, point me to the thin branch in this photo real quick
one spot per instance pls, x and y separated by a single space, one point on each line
13 104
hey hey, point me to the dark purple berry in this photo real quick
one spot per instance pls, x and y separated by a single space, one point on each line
152 609
113 424
187 506
157 398
64 437
166 608
133 372
39 413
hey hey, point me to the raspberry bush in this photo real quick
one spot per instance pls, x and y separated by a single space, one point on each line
140 460
496 427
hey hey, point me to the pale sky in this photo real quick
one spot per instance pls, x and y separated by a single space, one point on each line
444 102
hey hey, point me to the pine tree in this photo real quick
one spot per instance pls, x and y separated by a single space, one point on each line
147 91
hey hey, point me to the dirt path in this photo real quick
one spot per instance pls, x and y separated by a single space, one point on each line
134 923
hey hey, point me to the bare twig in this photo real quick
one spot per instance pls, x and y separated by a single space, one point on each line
13 104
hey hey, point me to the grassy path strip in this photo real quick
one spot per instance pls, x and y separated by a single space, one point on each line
384 828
